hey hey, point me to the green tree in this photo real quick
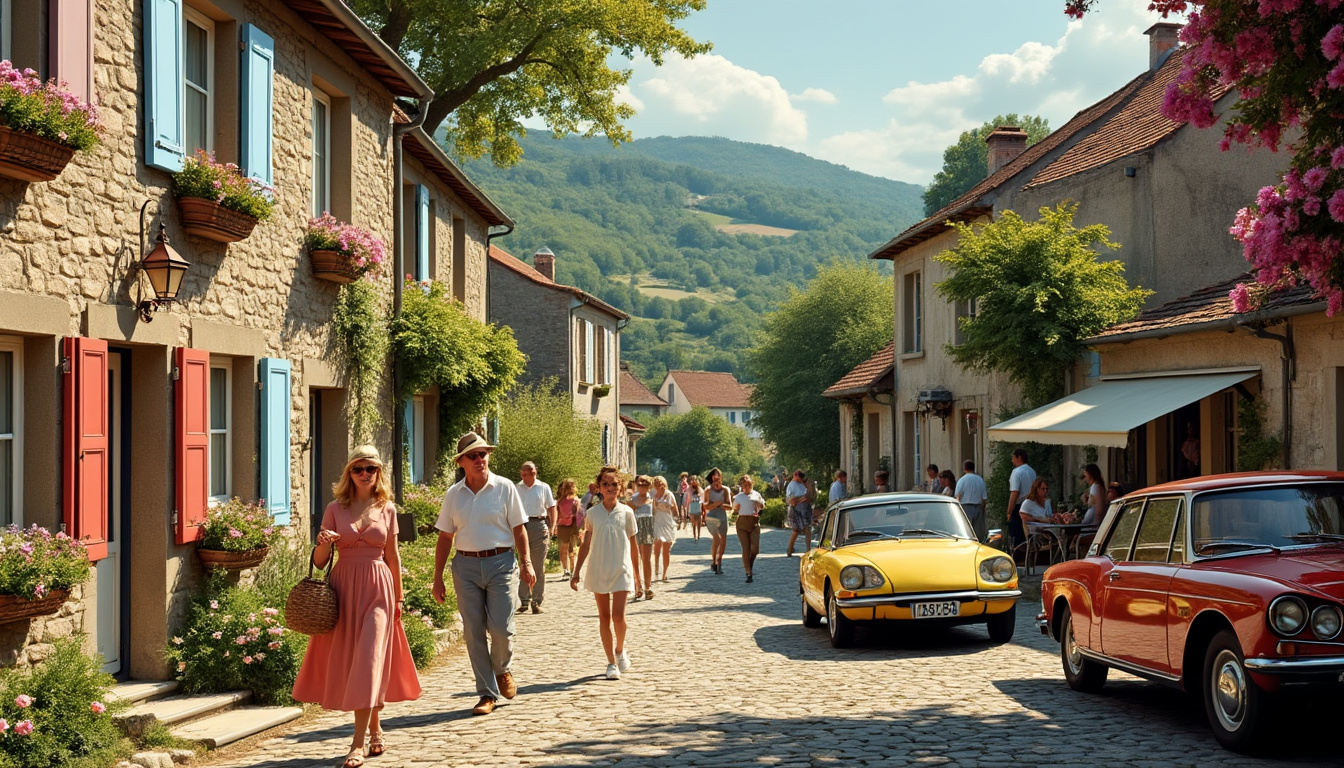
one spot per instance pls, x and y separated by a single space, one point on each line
1041 290
816 336
697 441
538 424
966 163
492 63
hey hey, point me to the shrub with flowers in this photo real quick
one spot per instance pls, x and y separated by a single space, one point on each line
238 526
417 583
420 637
233 640
364 253
35 561
29 105
224 183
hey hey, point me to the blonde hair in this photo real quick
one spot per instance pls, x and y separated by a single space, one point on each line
344 489
568 488
745 479
660 482
644 480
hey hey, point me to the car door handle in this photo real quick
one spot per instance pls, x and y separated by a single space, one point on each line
1114 576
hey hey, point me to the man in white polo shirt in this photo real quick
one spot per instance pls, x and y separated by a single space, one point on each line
539 504
971 492
483 515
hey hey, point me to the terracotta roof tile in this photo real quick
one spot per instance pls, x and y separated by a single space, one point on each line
505 259
865 374
1206 305
712 389
632 425
633 392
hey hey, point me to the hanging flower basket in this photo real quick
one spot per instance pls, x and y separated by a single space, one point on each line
15 608
232 561
342 252
27 157
334 266
212 221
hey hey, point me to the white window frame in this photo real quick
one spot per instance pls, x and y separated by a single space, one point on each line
227 432
192 16
320 97
15 346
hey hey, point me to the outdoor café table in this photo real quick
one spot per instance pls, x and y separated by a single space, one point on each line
1062 533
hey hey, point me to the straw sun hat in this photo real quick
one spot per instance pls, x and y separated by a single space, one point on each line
470 442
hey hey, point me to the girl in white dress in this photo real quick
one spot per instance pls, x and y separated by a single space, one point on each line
609 536
664 525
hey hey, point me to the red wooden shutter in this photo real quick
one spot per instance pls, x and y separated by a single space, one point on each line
86 443
193 442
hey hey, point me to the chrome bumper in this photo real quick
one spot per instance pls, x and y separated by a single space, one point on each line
1043 624
904 600
1307 666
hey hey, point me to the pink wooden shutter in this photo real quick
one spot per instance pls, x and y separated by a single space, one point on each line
85 449
193 442
70 45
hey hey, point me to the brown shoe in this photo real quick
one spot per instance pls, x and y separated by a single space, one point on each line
536 607
507 687
484 707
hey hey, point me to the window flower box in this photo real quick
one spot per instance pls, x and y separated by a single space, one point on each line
341 252
601 390
217 201
42 126
212 221
236 535
38 569
231 561
27 157
16 608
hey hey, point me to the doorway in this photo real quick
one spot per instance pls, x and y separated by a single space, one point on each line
113 571
1184 451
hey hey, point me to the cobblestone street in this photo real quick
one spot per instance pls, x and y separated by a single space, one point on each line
726 675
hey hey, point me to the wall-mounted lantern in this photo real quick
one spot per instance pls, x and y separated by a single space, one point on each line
165 268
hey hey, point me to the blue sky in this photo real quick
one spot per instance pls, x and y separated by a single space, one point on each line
884 86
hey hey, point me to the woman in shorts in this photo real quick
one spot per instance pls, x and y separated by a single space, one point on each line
568 522
717 500
664 526
642 503
691 502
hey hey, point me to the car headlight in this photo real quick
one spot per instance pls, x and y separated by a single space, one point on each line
861 577
1326 621
999 570
1287 615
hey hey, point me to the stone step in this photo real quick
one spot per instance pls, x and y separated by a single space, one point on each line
136 691
179 709
225 728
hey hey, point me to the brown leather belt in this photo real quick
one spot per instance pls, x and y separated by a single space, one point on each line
485 552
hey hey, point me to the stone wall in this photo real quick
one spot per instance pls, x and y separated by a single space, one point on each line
26 642
539 317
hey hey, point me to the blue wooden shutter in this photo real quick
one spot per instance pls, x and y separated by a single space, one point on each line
421 232
274 429
257 94
163 85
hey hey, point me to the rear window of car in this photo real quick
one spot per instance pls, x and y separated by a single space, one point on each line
1122 531
1277 516
1153 542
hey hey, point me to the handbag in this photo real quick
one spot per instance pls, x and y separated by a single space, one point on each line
311 607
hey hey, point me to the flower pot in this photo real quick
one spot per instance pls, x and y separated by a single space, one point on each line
332 265
232 561
212 221
27 157
14 608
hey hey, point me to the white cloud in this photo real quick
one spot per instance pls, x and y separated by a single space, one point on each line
819 95
710 95
625 96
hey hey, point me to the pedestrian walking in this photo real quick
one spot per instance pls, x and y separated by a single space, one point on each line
569 523
748 505
839 489
539 504
642 503
365 661
1019 484
972 493
691 502
664 526
716 501
800 510
683 517
483 516
591 497
609 548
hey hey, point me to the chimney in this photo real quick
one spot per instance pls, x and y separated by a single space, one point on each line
1162 37
544 262
1005 143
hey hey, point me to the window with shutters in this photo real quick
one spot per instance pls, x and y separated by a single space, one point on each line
582 337
221 442
198 38
321 153
601 356
415 428
11 432
732 417
912 317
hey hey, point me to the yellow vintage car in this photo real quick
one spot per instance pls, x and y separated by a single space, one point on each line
905 557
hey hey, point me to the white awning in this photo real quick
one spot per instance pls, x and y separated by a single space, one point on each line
1103 415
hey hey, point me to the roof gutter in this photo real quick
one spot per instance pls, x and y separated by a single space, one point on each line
1228 324
385 52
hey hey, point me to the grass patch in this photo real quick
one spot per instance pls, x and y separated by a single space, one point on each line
158 737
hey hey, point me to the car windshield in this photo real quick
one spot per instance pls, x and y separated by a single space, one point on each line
902 519
1224 521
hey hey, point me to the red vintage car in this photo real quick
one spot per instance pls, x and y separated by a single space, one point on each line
1229 586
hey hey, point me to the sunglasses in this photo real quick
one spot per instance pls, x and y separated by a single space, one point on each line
611 485
367 469
474 455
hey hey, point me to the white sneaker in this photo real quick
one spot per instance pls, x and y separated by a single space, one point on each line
623 662
612 672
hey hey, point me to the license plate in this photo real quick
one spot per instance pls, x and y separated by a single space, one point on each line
936 610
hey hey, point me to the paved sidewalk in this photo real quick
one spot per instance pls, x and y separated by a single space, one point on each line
726 675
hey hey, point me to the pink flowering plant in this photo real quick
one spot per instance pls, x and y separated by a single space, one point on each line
364 252
48 110
35 561
224 183
238 526
58 712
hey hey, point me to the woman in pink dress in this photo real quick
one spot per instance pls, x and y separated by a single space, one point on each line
364 662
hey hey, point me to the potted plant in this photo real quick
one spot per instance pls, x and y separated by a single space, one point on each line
42 126
217 201
236 535
601 390
342 252
37 570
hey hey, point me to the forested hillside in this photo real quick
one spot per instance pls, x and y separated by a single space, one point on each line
642 226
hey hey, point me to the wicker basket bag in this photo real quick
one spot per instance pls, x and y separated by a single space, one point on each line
311 607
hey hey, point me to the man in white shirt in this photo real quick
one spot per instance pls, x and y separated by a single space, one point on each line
1019 485
483 515
839 489
971 492
539 504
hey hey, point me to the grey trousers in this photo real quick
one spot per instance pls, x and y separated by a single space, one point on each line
538 541
484 587
975 513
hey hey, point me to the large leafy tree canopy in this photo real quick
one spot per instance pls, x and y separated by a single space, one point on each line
966 163
697 441
1286 60
492 63
1041 291
817 335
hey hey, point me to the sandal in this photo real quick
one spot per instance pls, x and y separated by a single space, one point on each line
648 594
376 746
354 758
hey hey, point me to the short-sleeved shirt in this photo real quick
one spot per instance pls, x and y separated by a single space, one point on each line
1020 480
643 507
971 489
795 489
1035 510
837 492
484 520
749 503
537 499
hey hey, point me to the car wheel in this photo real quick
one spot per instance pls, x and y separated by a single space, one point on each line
1002 625
1235 704
1082 673
811 618
841 628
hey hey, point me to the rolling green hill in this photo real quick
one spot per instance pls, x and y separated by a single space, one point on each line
697 238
